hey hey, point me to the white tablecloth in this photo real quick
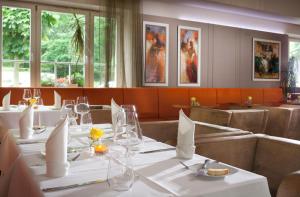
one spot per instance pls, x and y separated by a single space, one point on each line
47 115
158 174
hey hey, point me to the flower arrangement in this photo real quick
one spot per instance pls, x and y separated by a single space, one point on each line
249 101
194 102
32 101
95 136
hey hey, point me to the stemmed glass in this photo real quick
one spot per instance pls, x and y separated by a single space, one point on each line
128 132
36 93
27 95
82 107
68 109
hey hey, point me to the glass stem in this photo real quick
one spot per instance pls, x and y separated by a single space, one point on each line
81 119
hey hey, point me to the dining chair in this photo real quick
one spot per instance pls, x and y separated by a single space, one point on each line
25 186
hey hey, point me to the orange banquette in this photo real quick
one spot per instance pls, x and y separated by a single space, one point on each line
158 103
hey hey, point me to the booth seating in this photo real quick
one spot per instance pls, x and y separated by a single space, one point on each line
166 131
272 157
294 127
253 120
157 103
212 116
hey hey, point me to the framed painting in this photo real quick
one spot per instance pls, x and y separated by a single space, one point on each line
189 51
155 54
266 60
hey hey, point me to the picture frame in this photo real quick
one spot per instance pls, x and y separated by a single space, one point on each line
155 54
189 53
266 65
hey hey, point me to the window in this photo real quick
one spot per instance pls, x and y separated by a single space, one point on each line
62 49
16 53
52 46
294 52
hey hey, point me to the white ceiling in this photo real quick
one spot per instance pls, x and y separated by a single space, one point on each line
286 11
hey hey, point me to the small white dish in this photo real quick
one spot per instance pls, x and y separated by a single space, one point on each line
196 169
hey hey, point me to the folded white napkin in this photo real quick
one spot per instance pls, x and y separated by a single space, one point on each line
185 140
26 123
6 101
56 150
57 100
115 108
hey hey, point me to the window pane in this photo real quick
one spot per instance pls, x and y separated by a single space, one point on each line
62 49
294 51
99 54
16 46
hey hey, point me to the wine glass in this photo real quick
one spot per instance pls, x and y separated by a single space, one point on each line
39 103
36 93
87 121
22 105
128 132
82 107
68 109
27 95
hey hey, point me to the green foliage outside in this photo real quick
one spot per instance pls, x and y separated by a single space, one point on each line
62 41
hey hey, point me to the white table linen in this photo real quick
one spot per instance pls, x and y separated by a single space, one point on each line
46 115
6 101
158 174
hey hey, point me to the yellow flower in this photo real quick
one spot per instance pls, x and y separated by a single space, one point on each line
193 98
32 101
96 133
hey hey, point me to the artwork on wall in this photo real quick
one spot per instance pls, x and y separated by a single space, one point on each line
266 60
156 52
189 56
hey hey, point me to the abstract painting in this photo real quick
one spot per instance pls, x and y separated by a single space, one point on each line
189 56
156 51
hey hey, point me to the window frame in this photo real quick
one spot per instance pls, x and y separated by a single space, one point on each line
41 8
35 39
32 61
293 39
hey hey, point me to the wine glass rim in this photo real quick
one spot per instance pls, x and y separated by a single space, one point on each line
128 107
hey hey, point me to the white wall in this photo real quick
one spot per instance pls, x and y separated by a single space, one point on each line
226 53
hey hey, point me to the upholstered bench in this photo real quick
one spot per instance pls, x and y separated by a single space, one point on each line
272 157
166 131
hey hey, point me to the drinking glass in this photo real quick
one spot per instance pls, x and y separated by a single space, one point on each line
68 109
120 174
86 121
39 103
128 132
27 94
82 107
22 105
36 93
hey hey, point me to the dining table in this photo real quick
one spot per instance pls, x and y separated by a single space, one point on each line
157 170
43 115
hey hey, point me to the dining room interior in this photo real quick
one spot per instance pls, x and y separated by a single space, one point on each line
150 98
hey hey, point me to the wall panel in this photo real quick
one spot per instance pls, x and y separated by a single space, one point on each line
226 54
